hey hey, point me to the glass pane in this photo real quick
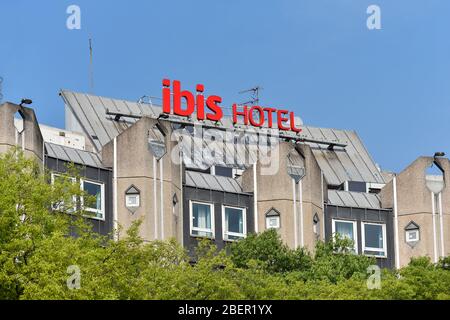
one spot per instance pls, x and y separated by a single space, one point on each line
201 215
96 191
345 229
132 200
64 181
413 235
373 235
273 222
234 220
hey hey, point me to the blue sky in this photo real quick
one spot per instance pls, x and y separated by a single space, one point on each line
315 57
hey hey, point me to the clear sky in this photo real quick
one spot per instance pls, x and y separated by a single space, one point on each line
315 57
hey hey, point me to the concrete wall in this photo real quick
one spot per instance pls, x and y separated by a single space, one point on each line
135 167
277 191
414 203
30 139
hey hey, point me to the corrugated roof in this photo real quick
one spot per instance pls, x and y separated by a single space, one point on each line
212 182
354 199
73 155
350 163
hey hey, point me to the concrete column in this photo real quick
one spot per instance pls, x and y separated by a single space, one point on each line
115 195
255 197
295 214
396 238
155 200
300 199
433 212
162 197
441 224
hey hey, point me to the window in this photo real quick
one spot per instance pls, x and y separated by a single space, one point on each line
346 229
234 223
63 179
202 219
273 220
222 171
355 186
374 239
97 191
412 235
412 231
132 198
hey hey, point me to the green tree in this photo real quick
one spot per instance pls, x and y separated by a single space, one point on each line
268 249
38 221
26 218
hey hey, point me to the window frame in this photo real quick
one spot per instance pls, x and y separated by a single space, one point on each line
363 236
54 174
355 231
268 227
102 192
138 202
417 231
191 220
244 225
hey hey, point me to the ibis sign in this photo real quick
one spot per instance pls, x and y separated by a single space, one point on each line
208 107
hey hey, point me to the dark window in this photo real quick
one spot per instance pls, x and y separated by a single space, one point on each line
356 186
208 171
336 187
224 171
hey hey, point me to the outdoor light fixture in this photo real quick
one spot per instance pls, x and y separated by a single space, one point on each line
439 154
26 101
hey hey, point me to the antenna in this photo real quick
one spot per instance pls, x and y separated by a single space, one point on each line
91 68
1 92
254 100
146 99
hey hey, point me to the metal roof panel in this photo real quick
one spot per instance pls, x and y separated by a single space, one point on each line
352 163
354 199
73 155
211 182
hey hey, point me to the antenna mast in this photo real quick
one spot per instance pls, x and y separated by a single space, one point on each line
254 100
1 93
91 68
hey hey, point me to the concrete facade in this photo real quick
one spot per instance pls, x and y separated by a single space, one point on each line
29 139
136 167
415 204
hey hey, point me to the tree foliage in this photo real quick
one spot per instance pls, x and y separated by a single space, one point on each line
37 246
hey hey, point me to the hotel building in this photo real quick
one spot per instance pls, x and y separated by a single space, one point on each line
188 179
